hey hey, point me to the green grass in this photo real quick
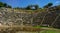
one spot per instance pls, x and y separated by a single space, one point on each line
47 30
39 27
36 26
50 31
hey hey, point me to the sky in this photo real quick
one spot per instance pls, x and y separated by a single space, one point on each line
24 3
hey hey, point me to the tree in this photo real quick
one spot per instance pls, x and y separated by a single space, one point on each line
33 7
36 6
1 4
4 5
9 6
28 7
48 5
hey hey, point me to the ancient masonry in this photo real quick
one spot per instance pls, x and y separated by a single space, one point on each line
10 16
15 17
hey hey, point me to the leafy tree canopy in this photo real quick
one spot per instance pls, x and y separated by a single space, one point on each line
48 5
4 5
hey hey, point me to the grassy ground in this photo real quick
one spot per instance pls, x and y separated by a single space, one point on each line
39 27
44 31
35 29
50 31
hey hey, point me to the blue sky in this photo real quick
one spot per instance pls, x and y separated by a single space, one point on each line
24 3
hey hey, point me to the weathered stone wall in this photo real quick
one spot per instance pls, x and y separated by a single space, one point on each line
28 17
11 17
